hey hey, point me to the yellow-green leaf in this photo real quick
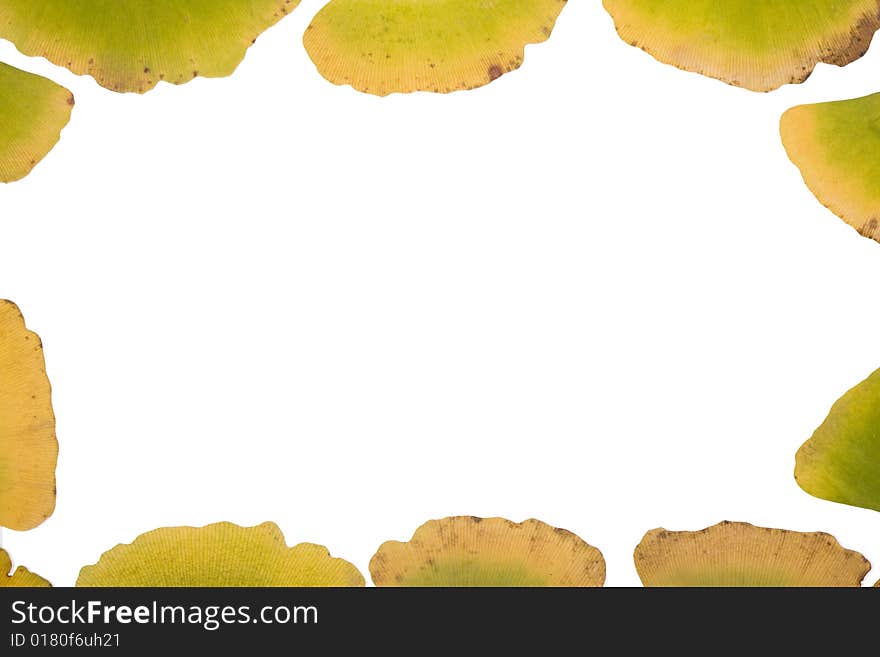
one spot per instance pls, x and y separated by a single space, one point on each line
33 111
221 554
740 554
754 44
387 46
468 551
28 449
130 45
841 461
837 148
21 577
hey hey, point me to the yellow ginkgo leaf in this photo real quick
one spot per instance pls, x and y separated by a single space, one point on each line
740 554
468 551
28 449
221 554
387 46
130 45
755 44
836 146
21 577
841 461
33 111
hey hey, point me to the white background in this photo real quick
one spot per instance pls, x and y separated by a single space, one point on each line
595 292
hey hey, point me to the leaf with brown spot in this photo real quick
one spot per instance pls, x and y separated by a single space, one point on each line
33 111
836 146
469 551
28 448
754 44
387 46
130 45
740 554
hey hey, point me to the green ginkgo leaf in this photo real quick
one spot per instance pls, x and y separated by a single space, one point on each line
837 148
740 554
130 45
33 111
754 44
841 462
387 46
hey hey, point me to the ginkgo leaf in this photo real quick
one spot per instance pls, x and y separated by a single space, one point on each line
387 46
837 148
21 577
468 551
221 554
841 461
740 554
754 44
28 449
33 111
130 45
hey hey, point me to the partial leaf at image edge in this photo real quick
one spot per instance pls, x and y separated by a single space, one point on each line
470 551
28 447
221 554
33 112
400 46
737 554
753 44
22 577
836 146
132 45
841 461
